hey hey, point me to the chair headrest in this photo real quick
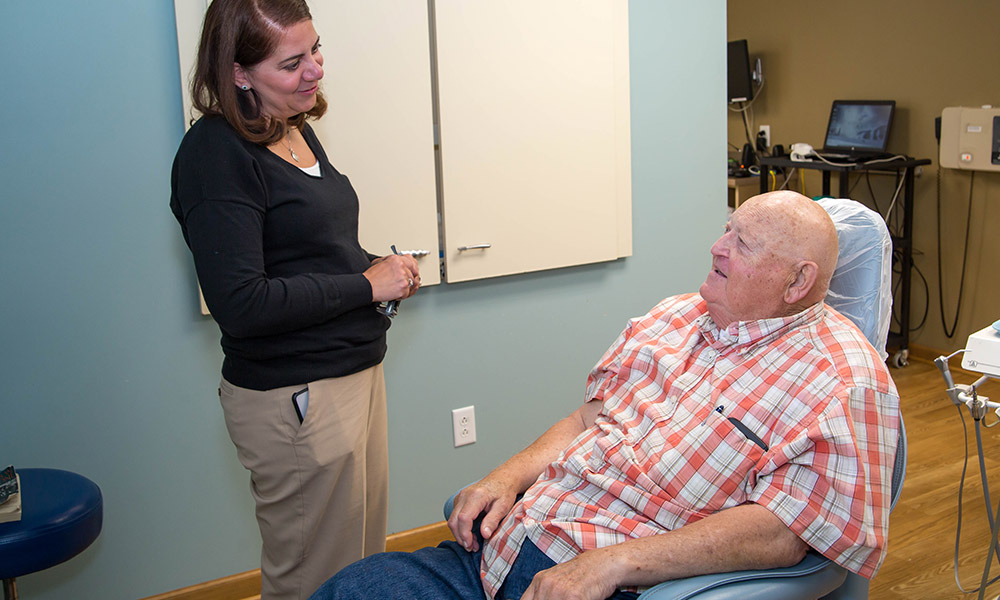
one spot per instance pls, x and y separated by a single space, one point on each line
861 287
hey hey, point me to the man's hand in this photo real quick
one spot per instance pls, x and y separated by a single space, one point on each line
587 577
496 493
491 496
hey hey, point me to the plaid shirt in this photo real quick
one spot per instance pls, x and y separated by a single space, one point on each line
664 451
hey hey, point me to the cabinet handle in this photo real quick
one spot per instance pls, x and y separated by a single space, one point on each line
475 247
415 253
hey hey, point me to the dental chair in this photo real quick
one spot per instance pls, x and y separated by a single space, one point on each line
861 290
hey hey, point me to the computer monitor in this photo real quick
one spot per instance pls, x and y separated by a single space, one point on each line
859 125
740 79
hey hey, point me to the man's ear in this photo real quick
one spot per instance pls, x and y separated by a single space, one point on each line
803 282
240 77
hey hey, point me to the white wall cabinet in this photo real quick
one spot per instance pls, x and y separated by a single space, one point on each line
534 134
532 114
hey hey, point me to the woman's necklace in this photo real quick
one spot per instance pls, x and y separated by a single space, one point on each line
288 142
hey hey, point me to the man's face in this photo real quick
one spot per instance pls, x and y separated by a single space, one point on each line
750 271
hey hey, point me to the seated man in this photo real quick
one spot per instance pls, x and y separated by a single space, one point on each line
725 430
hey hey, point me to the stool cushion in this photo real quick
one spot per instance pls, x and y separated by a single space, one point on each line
62 513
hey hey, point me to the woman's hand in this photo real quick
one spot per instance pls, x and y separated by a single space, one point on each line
393 277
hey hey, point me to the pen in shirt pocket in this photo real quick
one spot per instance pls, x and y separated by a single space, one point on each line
748 433
717 409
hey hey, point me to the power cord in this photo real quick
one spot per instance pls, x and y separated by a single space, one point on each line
984 581
851 163
965 257
772 179
744 109
896 261
746 129
895 197
871 192
788 178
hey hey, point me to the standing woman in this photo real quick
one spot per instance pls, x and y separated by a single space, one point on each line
273 229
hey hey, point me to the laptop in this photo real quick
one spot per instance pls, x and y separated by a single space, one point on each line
858 129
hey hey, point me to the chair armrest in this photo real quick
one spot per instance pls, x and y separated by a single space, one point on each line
814 577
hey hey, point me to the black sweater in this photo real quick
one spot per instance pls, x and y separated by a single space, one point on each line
278 259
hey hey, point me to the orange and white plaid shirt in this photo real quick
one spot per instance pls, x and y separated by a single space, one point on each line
664 452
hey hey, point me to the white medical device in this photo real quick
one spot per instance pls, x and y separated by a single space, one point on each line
970 138
982 352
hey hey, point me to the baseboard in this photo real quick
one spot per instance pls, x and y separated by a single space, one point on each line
421 537
925 353
242 586
246 586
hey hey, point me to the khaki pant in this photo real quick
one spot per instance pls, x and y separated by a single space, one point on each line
321 487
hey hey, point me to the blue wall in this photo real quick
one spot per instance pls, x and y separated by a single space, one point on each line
109 370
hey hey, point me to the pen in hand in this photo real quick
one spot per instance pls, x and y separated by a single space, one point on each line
392 306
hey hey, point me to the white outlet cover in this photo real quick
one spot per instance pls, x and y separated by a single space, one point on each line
463 422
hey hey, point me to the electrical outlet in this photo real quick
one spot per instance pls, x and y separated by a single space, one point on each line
463 422
766 131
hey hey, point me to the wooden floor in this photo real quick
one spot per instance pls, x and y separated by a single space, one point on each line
922 527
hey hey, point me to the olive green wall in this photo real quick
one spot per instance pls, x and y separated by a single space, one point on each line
926 55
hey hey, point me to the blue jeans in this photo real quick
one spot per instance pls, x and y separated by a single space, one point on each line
445 572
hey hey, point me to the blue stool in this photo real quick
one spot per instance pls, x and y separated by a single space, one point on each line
62 513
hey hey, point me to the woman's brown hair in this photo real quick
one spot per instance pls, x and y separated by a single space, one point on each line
244 32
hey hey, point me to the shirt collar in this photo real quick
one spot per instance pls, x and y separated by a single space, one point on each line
751 333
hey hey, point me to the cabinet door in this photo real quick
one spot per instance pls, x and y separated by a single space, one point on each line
379 127
534 134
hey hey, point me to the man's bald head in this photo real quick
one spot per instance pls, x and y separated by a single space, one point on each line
803 231
775 259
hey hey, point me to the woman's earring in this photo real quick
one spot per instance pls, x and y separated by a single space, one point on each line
246 87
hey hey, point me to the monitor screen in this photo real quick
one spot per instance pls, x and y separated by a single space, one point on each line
740 83
859 124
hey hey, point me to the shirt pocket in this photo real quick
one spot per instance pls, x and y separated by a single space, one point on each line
706 467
